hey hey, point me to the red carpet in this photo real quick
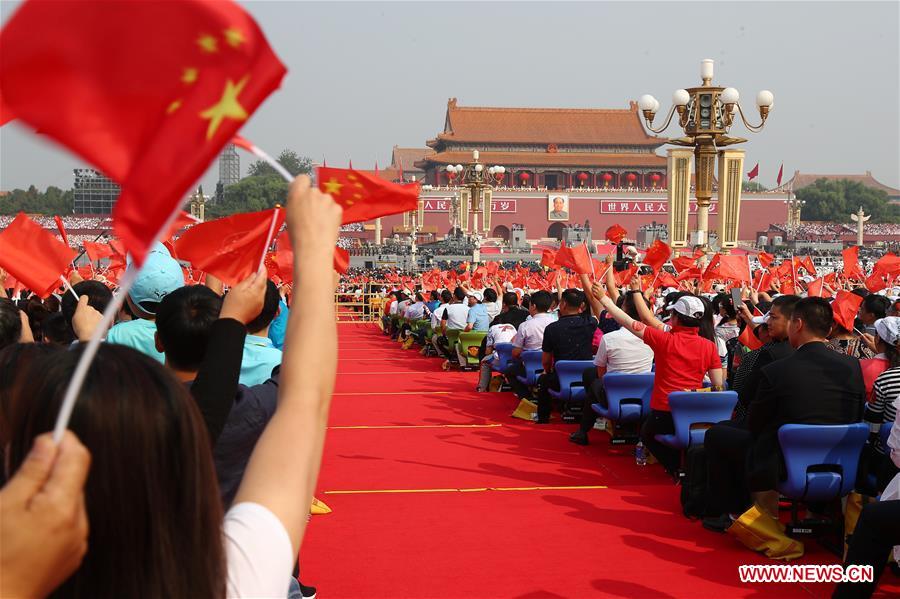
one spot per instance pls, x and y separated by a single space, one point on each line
493 511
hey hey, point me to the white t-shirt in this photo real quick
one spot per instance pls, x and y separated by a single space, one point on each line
493 308
500 333
258 552
531 332
456 316
621 351
436 316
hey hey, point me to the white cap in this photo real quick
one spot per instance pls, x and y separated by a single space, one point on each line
688 305
888 329
476 294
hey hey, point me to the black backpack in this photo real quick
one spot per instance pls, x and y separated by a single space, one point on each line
695 484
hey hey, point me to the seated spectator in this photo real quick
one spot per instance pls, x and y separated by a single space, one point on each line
682 359
159 276
873 307
814 385
885 390
477 318
529 337
261 356
453 317
877 530
511 312
492 303
569 338
619 351
498 333
436 317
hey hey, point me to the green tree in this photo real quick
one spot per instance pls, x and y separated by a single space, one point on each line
52 201
834 200
752 186
289 159
251 194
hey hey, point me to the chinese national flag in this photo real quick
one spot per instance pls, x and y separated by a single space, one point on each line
888 264
548 258
181 221
493 268
616 233
229 248
749 339
845 307
765 260
657 254
62 229
564 258
623 277
581 258
689 273
815 288
98 251
682 263
365 196
754 173
728 267
852 269
762 280
341 260
806 264
148 92
665 279
33 255
875 282
780 173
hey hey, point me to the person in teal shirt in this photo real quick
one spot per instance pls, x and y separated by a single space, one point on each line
477 319
160 276
278 328
260 354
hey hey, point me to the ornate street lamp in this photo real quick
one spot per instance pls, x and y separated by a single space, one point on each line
706 114
476 182
793 223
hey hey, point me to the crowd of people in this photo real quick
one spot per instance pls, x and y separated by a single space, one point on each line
789 358
171 480
197 393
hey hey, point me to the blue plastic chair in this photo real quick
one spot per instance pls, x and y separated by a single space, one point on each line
628 396
571 385
533 366
696 409
504 356
821 459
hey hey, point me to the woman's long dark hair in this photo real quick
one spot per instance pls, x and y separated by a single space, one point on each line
151 494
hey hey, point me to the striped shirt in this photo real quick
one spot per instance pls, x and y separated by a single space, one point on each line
885 390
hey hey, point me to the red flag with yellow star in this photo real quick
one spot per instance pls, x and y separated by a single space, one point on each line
364 196
148 92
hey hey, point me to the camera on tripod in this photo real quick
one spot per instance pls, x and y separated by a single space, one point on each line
624 257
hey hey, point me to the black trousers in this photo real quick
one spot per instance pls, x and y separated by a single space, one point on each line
594 393
512 371
877 530
545 401
727 445
660 423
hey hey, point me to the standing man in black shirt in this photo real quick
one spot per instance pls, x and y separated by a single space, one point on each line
569 338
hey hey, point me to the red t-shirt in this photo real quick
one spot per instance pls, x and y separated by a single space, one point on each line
682 359
871 368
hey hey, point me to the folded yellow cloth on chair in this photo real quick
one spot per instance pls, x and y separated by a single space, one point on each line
318 508
757 530
525 410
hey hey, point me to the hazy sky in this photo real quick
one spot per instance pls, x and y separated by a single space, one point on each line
365 76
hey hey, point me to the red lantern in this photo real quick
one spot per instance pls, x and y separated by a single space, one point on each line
451 174
524 176
607 177
655 177
631 177
582 176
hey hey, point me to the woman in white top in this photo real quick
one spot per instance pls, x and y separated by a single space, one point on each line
156 523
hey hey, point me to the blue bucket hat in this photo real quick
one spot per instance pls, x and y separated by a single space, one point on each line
160 276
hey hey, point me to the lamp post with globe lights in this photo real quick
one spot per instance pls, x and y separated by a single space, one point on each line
476 181
793 223
706 114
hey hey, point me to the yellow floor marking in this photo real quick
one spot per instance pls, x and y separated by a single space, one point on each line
467 490
416 426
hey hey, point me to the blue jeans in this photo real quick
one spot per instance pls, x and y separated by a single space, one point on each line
294 590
